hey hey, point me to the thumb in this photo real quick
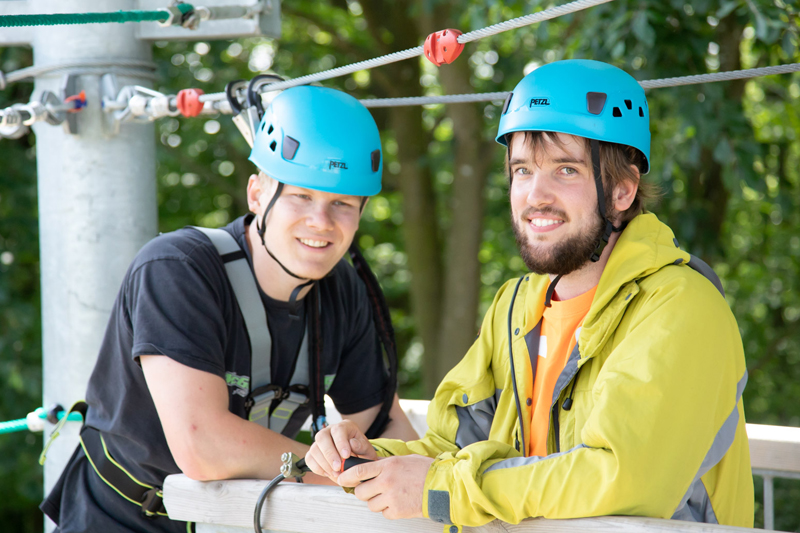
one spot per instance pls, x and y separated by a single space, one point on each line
361 446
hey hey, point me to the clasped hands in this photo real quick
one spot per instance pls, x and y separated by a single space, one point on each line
393 486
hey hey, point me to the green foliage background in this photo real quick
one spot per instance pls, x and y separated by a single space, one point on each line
727 162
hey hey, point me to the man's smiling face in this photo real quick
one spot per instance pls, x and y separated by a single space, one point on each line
553 202
308 230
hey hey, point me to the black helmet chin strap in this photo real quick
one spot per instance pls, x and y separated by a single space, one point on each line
262 228
601 204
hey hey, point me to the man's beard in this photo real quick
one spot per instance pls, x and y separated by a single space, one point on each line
563 257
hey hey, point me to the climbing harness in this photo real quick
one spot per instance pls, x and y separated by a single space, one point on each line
267 404
149 498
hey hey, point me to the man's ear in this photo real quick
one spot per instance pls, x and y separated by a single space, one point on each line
625 192
254 193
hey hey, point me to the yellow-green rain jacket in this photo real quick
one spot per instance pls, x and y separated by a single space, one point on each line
657 425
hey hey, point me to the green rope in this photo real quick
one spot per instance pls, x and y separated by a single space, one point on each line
22 424
13 425
57 19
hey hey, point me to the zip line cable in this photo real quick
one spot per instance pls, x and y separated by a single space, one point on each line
417 51
59 19
721 76
150 104
647 84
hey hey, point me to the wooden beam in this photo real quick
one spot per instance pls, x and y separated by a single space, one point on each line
774 448
228 507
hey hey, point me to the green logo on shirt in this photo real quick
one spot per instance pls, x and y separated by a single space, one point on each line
329 381
241 383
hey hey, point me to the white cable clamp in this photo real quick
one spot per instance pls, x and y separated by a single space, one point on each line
137 104
160 107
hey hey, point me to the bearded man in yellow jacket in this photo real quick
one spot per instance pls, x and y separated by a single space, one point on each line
606 382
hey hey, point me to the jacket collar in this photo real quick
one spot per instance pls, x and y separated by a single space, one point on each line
646 246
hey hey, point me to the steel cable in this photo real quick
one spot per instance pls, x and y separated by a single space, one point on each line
121 66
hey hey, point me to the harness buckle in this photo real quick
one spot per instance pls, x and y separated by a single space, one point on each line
152 503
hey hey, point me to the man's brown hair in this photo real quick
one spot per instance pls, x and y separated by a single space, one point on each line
615 165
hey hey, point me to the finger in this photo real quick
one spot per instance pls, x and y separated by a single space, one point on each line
379 504
342 434
352 477
368 490
361 446
315 465
325 469
328 451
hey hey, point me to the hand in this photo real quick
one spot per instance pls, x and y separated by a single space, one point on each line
334 444
395 485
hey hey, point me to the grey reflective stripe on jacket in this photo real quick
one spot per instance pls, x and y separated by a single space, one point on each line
695 506
247 296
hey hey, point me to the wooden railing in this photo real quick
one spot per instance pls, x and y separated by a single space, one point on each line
228 506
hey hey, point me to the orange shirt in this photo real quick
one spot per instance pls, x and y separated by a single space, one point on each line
559 334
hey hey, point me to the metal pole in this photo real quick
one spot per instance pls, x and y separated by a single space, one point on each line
97 207
769 504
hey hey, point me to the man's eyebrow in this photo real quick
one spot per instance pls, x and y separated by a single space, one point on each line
563 160
517 161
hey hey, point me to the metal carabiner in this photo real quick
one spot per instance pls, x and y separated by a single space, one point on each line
254 96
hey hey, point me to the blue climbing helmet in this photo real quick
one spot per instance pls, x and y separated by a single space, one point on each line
322 139
580 97
587 99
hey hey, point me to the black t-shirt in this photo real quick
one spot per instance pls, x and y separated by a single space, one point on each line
176 301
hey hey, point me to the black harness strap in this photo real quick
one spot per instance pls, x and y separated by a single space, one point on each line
148 497
383 323
317 387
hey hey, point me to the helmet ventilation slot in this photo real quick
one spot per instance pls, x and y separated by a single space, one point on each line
595 102
376 160
641 113
273 145
629 104
617 112
270 130
290 146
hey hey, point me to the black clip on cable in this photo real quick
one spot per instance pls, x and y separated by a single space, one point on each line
254 90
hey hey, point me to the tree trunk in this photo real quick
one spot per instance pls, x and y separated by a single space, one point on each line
472 159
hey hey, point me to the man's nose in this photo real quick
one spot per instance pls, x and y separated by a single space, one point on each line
541 191
320 218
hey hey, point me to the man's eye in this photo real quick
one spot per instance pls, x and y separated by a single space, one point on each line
569 171
303 196
521 170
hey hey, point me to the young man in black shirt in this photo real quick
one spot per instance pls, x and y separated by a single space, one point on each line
211 371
